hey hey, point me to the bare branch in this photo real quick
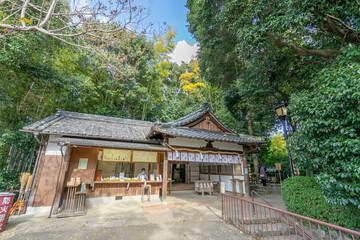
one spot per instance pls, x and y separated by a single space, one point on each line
50 11
23 10
97 27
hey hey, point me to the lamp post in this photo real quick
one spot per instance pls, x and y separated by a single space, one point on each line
281 112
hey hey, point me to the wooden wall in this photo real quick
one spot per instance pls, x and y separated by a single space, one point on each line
86 175
207 125
47 180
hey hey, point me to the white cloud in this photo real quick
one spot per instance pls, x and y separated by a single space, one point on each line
184 52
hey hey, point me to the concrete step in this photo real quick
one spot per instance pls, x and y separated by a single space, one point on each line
262 220
291 237
273 231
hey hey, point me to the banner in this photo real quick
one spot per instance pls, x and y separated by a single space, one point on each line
208 158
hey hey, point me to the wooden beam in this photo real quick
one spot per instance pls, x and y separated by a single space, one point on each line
165 179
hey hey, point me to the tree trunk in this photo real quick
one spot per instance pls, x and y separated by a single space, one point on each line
251 132
250 122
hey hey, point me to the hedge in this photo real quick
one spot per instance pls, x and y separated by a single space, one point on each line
302 195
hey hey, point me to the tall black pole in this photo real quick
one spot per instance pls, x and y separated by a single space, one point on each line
290 159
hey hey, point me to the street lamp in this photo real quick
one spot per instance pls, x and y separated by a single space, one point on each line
281 112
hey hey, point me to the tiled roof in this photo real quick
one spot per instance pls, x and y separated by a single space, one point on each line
101 127
205 134
198 113
90 125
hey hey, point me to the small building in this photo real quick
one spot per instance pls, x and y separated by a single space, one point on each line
107 153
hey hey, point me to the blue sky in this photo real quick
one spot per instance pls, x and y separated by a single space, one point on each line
173 12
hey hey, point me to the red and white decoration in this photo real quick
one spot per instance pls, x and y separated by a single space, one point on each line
209 158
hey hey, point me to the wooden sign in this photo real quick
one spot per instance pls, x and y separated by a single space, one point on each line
278 166
237 169
142 156
116 155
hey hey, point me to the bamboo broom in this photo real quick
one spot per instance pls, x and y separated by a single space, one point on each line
27 188
23 182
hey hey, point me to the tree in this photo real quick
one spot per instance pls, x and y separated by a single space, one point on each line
71 22
327 138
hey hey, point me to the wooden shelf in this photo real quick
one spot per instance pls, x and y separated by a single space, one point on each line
128 182
123 182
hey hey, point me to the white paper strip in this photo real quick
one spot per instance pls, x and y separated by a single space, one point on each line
207 158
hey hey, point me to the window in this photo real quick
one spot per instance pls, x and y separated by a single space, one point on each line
83 163
214 169
204 169
226 169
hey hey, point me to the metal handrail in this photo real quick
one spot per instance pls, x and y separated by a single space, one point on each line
227 212
291 222
252 197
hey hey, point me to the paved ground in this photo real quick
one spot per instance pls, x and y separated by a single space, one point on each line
185 216
274 199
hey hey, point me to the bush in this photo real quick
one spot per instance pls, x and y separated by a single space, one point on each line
302 195
9 180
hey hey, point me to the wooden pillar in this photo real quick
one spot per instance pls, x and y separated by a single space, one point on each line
158 164
189 173
241 188
165 179
209 172
233 179
256 167
219 168
246 176
61 183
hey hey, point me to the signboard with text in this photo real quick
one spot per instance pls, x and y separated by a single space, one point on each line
116 155
142 156
6 200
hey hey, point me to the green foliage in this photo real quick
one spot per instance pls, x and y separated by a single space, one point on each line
277 150
9 180
302 53
302 195
329 129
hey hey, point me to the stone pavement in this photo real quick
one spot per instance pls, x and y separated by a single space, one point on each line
186 215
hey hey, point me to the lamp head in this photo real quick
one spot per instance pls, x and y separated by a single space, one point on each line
281 110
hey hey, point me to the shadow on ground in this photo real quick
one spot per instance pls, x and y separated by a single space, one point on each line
186 215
